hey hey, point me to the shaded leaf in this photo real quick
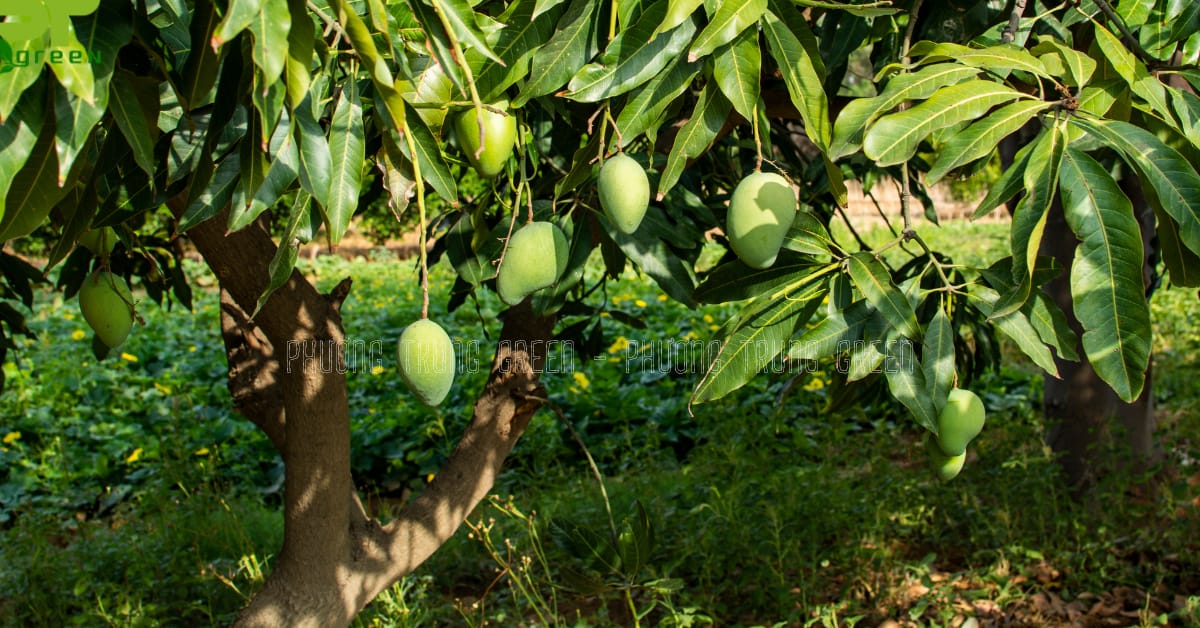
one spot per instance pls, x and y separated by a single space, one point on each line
632 58
347 151
731 18
804 81
696 134
982 137
736 68
874 281
573 43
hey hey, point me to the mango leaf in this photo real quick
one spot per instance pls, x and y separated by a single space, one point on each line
981 138
18 137
461 17
808 235
874 281
907 383
1182 264
1140 81
200 70
868 9
300 50
347 151
573 43
270 28
631 58
894 138
697 133
1011 182
678 11
937 355
284 260
1106 274
72 72
734 281
34 189
652 255
1173 179
429 155
644 110
753 342
515 46
1052 326
238 17
75 121
1016 327
732 17
316 161
215 193
736 68
832 334
17 79
284 169
804 81
130 103
1000 59
858 114
1078 67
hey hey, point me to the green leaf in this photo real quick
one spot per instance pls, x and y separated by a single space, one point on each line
462 20
631 59
34 189
429 156
1016 327
1078 66
18 137
907 383
732 17
284 169
573 43
645 108
653 256
347 151
852 122
1140 81
14 82
270 28
300 50
981 138
284 260
209 198
894 138
238 17
832 334
1011 182
133 103
937 355
808 235
316 161
999 59
696 135
734 281
1029 217
516 45
75 121
678 11
1182 264
72 72
200 70
736 68
1106 275
1052 326
753 342
1173 179
874 281
804 81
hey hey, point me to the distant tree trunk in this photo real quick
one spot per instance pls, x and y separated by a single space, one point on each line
1081 407
287 376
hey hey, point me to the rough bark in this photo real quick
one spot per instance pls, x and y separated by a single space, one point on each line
286 375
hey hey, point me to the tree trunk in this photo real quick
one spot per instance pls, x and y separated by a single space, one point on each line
1081 407
286 375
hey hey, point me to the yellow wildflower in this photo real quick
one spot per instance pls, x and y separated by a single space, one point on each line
203 451
377 369
166 390
691 335
78 335
620 344
192 349
662 298
129 358
814 383
708 319
640 303
581 379
713 327
134 457
12 437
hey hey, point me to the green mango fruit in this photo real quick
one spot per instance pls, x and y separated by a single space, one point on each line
947 467
624 192
961 420
99 241
426 358
107 306
761 211
499 138
535 258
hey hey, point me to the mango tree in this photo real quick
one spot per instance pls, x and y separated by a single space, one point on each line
250 127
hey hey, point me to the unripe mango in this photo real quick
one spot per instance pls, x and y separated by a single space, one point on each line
624 192
946 467
961 421
426 358
536 257
761 211
99 241
499 137
107 306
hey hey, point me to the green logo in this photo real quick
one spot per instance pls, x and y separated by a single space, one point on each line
31 19
6 57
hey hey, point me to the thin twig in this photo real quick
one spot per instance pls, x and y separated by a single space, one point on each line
1014 22
1132 41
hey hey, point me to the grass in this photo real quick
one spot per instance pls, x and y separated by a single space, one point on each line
131 495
